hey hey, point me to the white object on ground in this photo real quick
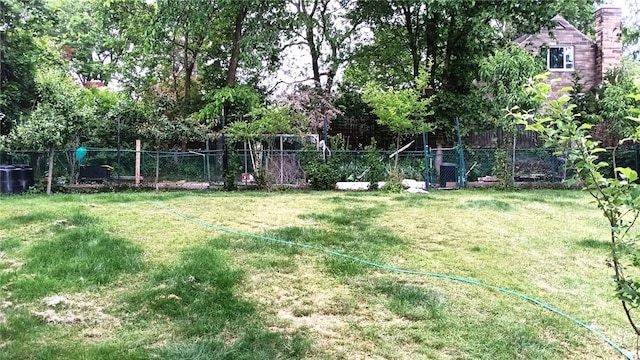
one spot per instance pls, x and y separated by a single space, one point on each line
356 186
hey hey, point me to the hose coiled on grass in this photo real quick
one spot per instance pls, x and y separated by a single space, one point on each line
613 344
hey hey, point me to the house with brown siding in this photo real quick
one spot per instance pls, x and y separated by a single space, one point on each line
568 52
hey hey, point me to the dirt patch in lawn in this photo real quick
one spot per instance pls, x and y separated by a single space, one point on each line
66 310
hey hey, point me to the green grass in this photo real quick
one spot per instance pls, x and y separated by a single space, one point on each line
78 257
148 284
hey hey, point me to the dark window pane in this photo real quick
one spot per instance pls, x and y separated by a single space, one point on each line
556 58
543 52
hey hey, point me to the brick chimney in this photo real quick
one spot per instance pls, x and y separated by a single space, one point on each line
608 40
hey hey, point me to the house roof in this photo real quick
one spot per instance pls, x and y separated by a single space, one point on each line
561 24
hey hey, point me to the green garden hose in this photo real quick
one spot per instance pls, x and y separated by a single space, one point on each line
617 347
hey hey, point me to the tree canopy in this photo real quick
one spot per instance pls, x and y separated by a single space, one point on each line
191 55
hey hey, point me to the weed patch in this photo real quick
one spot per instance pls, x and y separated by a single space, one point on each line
500 339
17 330
75 351
9 244
368 243
254 344
356 216
496 205
414 199
30 218
595 244
73 260
412 302
261 246
342 267
199 294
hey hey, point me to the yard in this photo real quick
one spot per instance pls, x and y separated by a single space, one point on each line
148 276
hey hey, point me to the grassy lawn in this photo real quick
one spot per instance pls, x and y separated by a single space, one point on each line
121 276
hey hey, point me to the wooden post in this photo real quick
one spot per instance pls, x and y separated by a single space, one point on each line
137 162
281 161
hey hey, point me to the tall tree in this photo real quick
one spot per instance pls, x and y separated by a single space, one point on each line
84 39
503 76
196 46
450 39
55 120
22 23
324 29
401 110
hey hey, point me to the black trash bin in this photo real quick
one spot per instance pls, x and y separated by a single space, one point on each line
23 178
448 174
7 180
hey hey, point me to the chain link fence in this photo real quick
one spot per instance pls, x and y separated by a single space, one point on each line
286 168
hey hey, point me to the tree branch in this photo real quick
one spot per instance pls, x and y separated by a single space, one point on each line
281 82
286 46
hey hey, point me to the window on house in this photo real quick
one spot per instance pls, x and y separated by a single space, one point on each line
558 58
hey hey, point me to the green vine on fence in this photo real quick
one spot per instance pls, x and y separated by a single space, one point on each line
618 197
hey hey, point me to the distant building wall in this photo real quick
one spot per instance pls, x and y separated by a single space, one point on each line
608 40
584 52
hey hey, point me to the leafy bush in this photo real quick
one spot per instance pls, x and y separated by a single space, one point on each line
374 164
394 183
322 175
234 168
502 169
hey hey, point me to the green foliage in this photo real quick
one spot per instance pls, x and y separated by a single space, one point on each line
412 302
233 170
83 39
609 105
57 118
165 122
373 162
321 175
503 76
393 183
631 29
232 101
21 53
451 40
502 169
264 122
324 170
59 114
403 111
618 198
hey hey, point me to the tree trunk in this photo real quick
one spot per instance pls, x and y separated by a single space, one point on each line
413 47
50 173
235 51
446 71
188 69
174 74
315 56
432 50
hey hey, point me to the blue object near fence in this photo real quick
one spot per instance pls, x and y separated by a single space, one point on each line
81 152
